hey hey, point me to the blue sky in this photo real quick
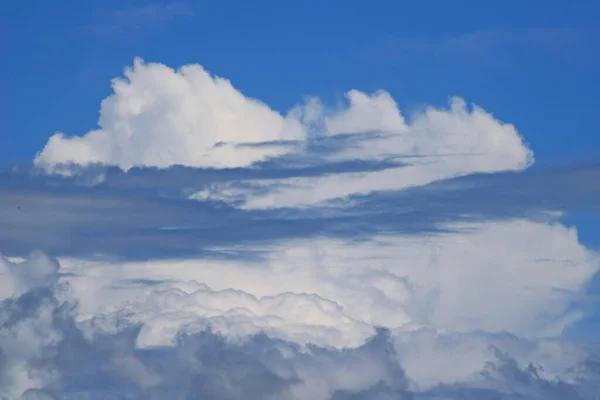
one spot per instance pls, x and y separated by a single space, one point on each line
535 66
223 199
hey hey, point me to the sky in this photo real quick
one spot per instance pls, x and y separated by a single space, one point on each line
310 200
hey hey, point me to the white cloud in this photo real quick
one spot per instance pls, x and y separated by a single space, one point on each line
432 292
445 298
443 144
298 317
26 338
518 276
160 117
448 143
376 113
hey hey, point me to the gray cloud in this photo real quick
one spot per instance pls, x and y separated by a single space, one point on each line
329 283
74 365
144 213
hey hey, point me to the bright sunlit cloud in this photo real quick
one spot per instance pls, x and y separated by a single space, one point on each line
241 252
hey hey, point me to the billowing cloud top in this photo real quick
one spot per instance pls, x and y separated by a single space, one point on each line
328 253
160 117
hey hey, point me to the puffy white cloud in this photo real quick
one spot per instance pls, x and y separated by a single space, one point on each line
441 144
298 317
160 117
47 354
376 113
518 276
465 308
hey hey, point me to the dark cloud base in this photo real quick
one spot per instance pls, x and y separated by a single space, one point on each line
125 215
144 214
206 366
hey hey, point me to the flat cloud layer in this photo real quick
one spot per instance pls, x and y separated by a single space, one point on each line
305 264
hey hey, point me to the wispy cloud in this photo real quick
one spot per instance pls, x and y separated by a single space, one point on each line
66 216
137 19
501 46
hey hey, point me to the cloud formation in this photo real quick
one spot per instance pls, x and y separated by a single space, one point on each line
211 247
442 144
336 293
48 354
161 117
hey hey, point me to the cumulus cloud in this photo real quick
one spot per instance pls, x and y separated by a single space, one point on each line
160 117
28 314
323 298
47 354
376 113
336 293
443 144
273 289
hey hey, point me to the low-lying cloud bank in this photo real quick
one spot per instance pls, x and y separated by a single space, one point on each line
48 354
210 247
